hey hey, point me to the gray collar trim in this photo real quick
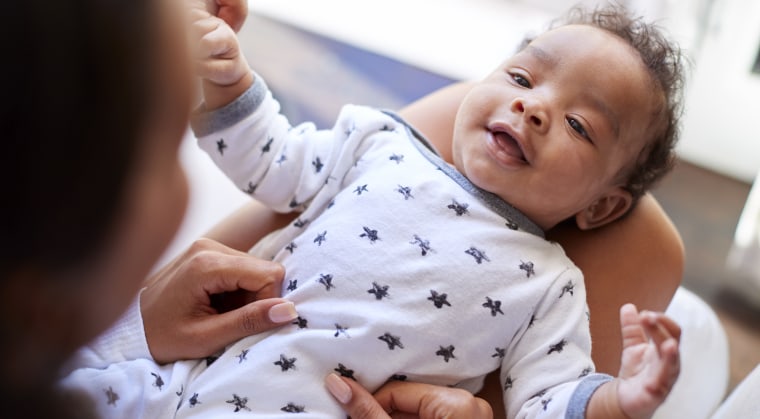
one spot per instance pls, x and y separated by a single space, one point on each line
514 219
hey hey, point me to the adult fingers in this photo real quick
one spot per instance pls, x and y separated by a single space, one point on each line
431 401
230 273
356 401
259 316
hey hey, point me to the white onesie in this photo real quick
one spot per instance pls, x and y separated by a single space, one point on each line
400 269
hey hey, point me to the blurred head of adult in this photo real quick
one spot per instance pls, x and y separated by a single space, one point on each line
95 104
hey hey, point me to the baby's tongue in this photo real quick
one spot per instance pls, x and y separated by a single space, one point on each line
509 145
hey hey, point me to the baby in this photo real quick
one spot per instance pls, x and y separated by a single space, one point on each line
404 267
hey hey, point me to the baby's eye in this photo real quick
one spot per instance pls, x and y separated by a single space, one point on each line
578 127
522 81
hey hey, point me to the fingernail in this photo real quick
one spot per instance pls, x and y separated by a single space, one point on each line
283 312
338 388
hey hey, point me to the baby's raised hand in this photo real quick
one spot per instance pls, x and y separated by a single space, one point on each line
650 363
217 50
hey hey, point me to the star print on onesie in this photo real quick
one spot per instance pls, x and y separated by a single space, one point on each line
397 265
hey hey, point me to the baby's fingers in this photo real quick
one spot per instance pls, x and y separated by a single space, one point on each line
631 327
660 328
219 43
665 335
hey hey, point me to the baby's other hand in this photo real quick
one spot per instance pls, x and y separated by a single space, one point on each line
217 50
650 363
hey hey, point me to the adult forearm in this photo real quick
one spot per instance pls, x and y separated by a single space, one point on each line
247 225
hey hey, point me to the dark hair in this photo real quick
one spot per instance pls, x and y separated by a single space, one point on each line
665 63
77 88
78 83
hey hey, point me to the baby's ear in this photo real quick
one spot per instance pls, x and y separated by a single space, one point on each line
609 207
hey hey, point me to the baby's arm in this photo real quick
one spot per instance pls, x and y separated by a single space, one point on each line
648 370
224 71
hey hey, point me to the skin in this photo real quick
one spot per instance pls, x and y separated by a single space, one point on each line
155 199
550 129
177 307
650 367
643 249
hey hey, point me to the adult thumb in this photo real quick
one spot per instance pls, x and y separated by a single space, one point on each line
250 319
355 399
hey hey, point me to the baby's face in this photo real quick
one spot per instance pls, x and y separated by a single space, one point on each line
552 129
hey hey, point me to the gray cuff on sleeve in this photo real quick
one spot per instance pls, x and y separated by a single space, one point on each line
207 122
576 407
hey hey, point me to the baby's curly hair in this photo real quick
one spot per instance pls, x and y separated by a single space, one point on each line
664 61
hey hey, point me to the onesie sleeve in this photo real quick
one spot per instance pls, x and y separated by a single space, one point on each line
278 164
548 371
123 341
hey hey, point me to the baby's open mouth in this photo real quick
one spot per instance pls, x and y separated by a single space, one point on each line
510 146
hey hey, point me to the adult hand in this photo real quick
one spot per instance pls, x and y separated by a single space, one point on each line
208 297
234 12
399 399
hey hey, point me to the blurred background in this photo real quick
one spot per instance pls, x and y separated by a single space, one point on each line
318 55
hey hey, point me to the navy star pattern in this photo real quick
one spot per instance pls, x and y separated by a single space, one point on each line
326 280
286 363
567 289
221 146
293 408
111 396
292 285
370 234
239 403
478 254
405 191
446 352
360 189
380 291
494 306
318 165
157 381
423 244
528 268
341 330
508 383
459 209
301 322
557 347
268 146
391 341
439 300
193 401
250 189
321 238
545 402
345 371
